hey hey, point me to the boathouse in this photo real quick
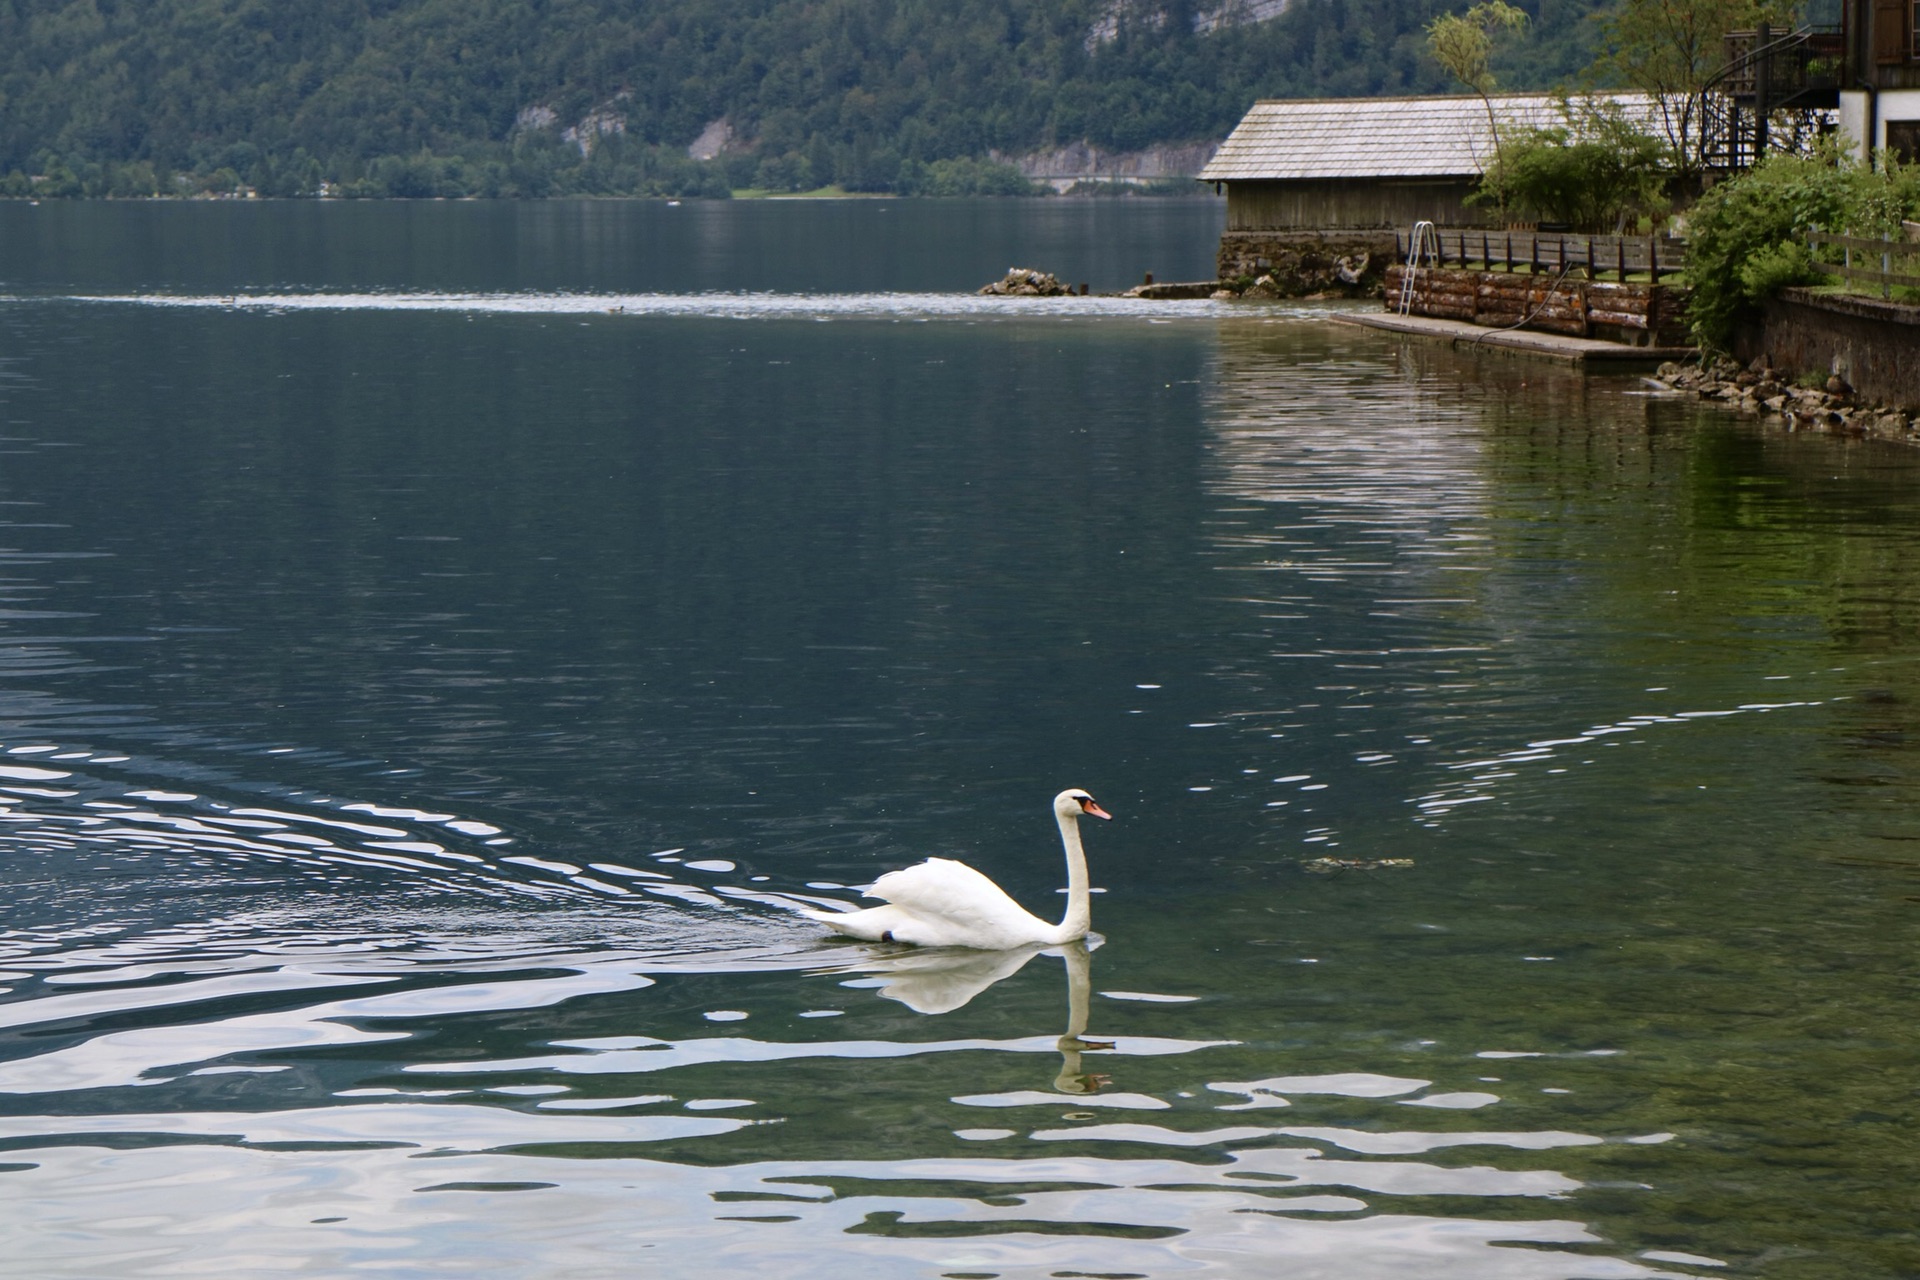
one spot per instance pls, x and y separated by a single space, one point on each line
1335 176
1325 164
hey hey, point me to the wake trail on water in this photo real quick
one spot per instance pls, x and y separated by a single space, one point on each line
87 836
713 305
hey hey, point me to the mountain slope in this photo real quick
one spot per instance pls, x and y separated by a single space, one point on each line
530 96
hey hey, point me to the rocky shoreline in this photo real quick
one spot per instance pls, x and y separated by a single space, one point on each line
1829 406
1029 282
1759 389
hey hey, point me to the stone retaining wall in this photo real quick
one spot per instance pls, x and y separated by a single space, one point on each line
1304 262
1874 346
1637 314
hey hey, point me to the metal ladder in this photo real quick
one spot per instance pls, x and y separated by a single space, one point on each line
1423 243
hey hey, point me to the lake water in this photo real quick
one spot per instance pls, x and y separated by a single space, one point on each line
440 642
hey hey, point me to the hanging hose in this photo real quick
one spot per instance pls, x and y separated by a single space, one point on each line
1566 268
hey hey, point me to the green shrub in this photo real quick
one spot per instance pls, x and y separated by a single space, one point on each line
1596 173
1775 267
1743 233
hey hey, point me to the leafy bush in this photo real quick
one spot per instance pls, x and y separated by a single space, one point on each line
1743 232
1775 268
1595 173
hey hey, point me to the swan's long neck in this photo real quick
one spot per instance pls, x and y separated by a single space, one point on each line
1079 917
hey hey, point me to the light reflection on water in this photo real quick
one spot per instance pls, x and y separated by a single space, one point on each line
240 1016
499 1132
412 895
535 1214
246 1012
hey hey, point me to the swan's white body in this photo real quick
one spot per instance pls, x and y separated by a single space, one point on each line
943 903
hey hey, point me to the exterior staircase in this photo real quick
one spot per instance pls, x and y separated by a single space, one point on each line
1779 91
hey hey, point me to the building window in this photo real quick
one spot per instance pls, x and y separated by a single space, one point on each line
1892 31
1903 140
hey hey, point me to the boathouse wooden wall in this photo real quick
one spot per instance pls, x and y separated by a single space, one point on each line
1332 204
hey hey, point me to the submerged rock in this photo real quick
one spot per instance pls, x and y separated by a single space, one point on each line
1332 866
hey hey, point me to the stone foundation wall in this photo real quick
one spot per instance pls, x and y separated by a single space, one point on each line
1306 262
1637 314
1873 346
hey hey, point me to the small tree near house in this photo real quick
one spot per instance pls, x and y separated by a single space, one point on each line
1463 44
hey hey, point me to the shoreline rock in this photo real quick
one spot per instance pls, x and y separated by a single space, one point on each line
1758 389
1175 290
1025 282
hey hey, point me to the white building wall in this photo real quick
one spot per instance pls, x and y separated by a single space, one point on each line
1893 104
1896 104
1853 122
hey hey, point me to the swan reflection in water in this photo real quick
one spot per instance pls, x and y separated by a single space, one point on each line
935 981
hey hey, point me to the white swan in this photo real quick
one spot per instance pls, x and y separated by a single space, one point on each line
942 903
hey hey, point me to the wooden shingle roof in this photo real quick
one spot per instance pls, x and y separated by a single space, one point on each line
1433 137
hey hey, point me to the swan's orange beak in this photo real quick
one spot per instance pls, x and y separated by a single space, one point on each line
1088 806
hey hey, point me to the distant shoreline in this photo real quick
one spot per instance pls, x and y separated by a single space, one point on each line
1200 192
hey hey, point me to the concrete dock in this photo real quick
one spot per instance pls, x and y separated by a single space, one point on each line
1601 356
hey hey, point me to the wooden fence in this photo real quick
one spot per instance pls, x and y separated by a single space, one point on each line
1882 252
1594 256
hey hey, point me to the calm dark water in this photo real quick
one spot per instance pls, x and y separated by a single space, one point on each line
439 642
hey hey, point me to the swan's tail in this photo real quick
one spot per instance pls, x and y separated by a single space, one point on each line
873 924
827 918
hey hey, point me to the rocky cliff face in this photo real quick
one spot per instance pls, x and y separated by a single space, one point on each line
1061 167
1156 15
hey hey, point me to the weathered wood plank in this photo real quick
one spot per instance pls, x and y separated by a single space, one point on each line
1863 273
1817 238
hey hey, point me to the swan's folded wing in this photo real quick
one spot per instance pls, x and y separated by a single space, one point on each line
934 885
959 906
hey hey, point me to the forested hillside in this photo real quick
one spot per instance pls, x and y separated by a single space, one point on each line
539 97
